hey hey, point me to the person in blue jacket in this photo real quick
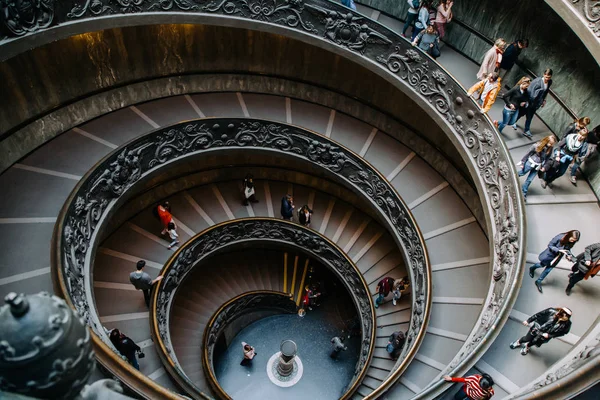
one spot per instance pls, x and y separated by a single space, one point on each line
559 246
287 207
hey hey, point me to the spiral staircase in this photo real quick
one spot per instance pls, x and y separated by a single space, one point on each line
37 186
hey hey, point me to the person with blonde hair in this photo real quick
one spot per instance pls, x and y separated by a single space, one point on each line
537 92
485 92
492 59
534 160
567 149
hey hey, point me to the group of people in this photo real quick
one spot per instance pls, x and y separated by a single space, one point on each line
428 24
389 285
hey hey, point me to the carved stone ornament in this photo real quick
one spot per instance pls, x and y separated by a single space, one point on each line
590 9
45 347
261 230
24 16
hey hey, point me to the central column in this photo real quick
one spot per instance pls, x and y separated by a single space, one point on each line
286 360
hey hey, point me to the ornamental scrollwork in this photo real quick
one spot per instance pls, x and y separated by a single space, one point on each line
261 230
21 17
591 11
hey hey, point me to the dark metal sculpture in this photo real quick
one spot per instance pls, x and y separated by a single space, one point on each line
46 351
263 230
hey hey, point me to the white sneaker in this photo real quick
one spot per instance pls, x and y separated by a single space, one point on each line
394 301
514 127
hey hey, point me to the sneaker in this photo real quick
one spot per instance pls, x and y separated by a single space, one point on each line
525 199
515 344
514 126
531 269
573 180
544 184
538 284
525 350
527 134
376 305
394 301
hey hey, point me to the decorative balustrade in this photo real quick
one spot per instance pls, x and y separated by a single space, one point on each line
93 200
267 231
351 35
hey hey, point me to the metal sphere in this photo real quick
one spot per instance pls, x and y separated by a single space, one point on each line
45 348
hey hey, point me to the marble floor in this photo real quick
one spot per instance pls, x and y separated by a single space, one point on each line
323 378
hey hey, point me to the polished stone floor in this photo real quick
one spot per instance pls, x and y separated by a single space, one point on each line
324 378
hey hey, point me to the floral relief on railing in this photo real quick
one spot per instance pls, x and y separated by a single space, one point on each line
590 9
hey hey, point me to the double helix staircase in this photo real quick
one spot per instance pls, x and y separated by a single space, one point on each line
35 188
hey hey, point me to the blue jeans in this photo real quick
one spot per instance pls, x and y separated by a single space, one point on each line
379 299
509 117
416 31
528 112
545 272
410 21
528 167
576 165
133 361
461 395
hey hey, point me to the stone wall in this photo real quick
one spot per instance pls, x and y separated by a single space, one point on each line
552 44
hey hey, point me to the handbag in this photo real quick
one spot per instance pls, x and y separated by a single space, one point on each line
434 51
249 192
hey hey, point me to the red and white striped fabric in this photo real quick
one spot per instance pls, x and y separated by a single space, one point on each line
473 389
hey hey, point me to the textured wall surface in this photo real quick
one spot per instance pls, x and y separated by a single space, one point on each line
552 44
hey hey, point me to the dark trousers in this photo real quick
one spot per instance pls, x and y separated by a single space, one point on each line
410 21
531 339
461 395
575 277
528 112
147 297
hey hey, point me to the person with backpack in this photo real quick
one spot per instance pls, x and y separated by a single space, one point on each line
384 287
126 347
395 344
411 15
567 149
587 265
475 387
428 41
142 281
422 19
544 326
338 346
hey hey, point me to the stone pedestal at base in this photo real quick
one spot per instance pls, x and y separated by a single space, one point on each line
284 368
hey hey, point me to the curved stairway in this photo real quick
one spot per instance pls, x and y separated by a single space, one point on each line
457 246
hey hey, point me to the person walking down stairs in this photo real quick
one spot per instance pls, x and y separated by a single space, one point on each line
142 281
586 266
249 190
395 344
287 207
559 246
384 287
126 347
543 326
305 216
475 387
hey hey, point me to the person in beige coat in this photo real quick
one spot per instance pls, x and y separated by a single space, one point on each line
492 59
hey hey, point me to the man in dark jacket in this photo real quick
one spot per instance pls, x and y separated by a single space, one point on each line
543 326
510 55
586 266
287 207
537 92
395 344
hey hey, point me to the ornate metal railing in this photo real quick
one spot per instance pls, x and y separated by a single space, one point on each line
353 36
226 235
114 179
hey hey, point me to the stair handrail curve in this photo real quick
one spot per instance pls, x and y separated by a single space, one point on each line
230 311
106 186
256 230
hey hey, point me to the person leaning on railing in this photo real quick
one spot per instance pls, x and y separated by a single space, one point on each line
543 326
476 387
